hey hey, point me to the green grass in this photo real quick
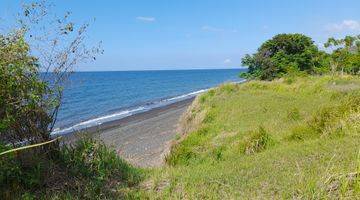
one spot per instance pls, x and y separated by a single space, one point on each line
280 139
295 138
86 170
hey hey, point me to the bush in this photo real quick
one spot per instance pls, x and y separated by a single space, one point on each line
95 161
85 170
25 105
257 141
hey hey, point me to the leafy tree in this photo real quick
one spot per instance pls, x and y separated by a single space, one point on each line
346 55
284 53
35 62
36 58
23 97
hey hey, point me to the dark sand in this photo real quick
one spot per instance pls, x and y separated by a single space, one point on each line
142 139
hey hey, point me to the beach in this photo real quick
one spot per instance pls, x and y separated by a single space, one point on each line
142 139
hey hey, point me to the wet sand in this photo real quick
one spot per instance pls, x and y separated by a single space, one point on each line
142 139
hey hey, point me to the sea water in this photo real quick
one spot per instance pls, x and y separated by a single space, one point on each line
92 98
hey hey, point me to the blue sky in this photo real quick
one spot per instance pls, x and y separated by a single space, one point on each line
188 34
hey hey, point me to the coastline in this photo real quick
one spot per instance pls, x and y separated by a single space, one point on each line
142 139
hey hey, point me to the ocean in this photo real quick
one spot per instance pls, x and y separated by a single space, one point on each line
92 98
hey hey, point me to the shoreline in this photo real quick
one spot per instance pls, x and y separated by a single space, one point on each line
127 120
142 139
105 120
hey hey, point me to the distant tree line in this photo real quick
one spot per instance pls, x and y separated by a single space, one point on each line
286 54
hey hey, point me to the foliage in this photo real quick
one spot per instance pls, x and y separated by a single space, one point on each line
23 96
86 170
31 86
95 161
36 58
346 55
284 53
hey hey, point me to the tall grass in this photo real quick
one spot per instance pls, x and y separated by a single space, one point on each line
283 139
86 170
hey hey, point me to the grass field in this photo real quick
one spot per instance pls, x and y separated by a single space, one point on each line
290 138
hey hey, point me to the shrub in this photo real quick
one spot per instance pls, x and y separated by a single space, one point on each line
84 170
257 141
24 107
93 160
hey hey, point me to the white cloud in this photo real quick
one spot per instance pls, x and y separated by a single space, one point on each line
345 25
146 19
227 61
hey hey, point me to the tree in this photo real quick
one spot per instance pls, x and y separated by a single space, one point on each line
35 62
282 54
23 114
346 55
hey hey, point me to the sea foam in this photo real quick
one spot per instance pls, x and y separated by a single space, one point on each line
125 113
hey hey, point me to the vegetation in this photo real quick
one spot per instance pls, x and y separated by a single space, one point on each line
31 86
87 170
283 54
23 100
346 56
294 137
295 54
30 96
267 140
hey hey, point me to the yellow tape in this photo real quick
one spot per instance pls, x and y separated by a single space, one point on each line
28 147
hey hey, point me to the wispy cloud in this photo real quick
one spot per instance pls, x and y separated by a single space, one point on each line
345 25
227 61
146 19
216 29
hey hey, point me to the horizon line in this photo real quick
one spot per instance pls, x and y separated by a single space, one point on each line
131 70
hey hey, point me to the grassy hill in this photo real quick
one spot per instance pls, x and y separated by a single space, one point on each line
289 138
